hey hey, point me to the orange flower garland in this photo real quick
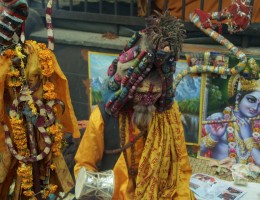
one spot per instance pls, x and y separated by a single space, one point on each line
16 79
49 93
45 59
50 189
23 170
57 136
9 53
18 128
13 74
55 130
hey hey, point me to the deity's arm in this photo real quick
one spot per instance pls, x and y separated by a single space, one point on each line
212 131
256 155
209 140
91 147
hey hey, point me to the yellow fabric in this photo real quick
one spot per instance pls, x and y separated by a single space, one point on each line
68 119
164 152
4 63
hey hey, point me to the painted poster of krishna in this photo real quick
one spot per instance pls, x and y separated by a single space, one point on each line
231 118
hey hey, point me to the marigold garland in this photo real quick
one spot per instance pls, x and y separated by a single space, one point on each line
17 79
14 73
49 95
55 131
50 189
9 53
45 59
23 170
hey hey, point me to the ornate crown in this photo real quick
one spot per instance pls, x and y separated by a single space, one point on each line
248 81
249 85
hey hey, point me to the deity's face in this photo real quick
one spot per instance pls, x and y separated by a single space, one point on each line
32 71
249 105
33 79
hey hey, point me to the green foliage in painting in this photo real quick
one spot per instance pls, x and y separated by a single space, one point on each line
96 97
190 106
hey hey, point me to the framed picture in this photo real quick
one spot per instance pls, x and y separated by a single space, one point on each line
191 92
98 64
230 113
188 95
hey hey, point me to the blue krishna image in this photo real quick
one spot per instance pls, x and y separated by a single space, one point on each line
235 132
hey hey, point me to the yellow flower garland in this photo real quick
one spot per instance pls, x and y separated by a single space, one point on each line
24 170
55 131
45 59
13 74
49 93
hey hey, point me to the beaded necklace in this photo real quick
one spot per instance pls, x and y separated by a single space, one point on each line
126 117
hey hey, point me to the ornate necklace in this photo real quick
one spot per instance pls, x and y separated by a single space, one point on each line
237 147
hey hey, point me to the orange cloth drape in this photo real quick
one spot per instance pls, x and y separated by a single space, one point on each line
175 7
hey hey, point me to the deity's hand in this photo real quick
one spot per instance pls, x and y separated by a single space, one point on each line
216 130
245 127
